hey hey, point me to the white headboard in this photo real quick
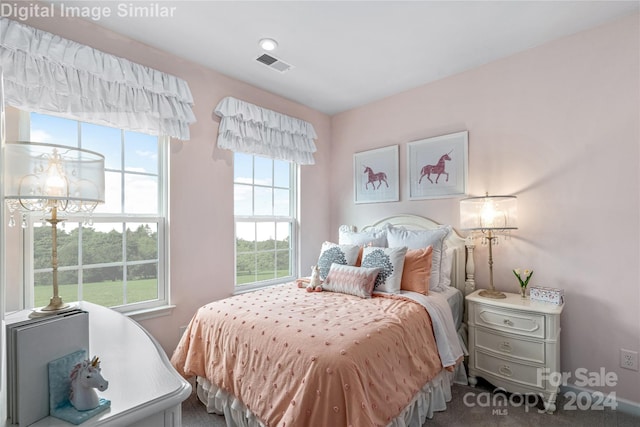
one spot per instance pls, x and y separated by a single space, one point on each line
462 274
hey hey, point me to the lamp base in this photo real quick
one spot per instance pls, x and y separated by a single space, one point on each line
56 306
492 293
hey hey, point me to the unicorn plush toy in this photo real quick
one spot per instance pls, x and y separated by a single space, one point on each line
315 284
85 377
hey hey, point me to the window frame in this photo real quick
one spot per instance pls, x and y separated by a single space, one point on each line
161 221
292 219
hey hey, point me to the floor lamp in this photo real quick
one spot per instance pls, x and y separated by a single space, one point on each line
491 216
51 179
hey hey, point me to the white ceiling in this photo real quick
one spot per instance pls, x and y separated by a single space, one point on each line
349 53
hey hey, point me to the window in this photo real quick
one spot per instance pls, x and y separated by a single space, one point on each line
264 208
116 258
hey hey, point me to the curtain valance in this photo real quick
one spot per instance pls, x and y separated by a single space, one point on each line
251 129
46 73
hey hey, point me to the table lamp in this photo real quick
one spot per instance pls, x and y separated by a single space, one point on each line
51 179
492 216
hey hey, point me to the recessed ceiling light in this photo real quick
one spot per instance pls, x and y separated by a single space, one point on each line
268 44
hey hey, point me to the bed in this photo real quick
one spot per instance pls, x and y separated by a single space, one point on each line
282 356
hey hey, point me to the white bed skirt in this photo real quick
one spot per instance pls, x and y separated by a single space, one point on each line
433 397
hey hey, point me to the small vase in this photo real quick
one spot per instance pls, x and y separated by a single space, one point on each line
523 291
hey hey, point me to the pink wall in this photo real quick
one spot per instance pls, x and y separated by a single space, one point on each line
201 176
558 126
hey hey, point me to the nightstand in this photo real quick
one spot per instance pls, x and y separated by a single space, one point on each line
514 343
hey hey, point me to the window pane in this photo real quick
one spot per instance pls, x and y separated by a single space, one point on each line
43 289
242 195
103 286
263 171
140 194
142 282
142 244
243 168
101 244
104 140
246 231
112 194
266 232
140 152
266 266
245 268
42 242
67 239
263 199
283 233
282 264
281 171
281 202
53 130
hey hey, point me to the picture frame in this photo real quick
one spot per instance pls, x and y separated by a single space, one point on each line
438 167
376 175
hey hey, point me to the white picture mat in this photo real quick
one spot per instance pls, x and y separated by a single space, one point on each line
428 152
385 161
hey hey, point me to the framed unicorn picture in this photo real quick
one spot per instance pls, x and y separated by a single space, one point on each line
376 175
438 167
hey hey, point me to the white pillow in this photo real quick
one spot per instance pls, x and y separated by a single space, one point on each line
417 239
390 261
445 270
340 254
373 237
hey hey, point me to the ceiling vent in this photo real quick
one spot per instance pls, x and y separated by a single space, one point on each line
274 63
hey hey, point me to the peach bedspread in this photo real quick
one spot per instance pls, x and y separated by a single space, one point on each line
324 359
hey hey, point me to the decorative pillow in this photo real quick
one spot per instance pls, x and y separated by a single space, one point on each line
416 239
359 258
373 237
445 270
351 280
417 270
391 263
340 254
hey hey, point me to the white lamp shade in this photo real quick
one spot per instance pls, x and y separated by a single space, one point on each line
39 175
489 213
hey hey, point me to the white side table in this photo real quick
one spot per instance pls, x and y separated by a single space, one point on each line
514 343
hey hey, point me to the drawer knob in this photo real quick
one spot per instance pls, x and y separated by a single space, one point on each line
508 322
505 370
505 346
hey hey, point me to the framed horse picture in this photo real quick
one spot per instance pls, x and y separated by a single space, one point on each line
438 167
376 175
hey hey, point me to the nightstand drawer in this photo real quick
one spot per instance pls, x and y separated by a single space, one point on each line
530 351
508 369
523 323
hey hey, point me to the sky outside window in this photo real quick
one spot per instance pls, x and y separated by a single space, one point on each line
139 180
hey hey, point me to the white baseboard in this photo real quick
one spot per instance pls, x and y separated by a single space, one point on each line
623 405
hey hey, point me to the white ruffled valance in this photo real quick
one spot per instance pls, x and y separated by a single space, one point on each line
49 74
250 129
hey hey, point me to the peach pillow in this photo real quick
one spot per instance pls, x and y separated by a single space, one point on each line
347 279
359 259
417 270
